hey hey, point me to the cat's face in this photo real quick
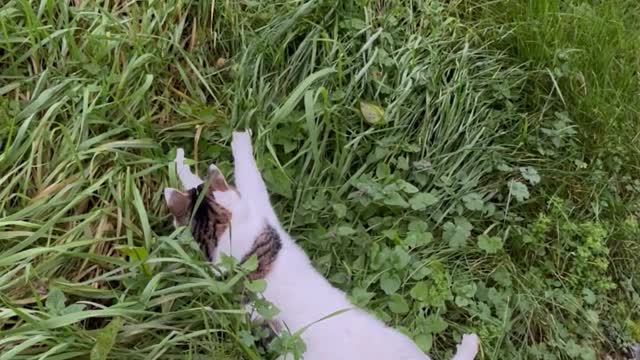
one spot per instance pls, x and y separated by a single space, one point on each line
218 218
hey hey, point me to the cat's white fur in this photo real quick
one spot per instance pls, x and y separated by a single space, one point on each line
303 296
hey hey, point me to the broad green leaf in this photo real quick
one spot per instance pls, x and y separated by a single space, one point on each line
339 277
418 226
402 163
390 283
421 201
256 286
530 174
407 187
361 297
424 341
55 301
399 258
473 202
251 264
420 291
589 296
392 234
420 271
340 209
373 114
435 324
345 230
291 344
502 276
383 170
278 182
246 338
577 351
462 301
418 234
490 244
496 297
593 317
457 233
105 338
266 309
397 304
393 187
415 239
466 294
518 190
395 199
468 290
489 209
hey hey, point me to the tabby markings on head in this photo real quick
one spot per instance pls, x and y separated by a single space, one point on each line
210 220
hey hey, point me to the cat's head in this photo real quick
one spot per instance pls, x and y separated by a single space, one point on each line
217 214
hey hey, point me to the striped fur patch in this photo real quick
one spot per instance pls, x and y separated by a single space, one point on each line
210 221
266 248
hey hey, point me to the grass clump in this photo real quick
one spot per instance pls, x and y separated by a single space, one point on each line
449 169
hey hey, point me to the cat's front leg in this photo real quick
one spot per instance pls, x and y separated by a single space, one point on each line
247 176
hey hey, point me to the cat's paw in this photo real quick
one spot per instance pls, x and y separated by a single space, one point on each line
180 156
468 347
242 135
471 340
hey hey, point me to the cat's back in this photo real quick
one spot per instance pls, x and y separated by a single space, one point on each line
307 299
358 336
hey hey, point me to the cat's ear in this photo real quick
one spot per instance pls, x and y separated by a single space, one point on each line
218 182
189 180
179 204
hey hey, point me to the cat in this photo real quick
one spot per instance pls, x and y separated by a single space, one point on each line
240 222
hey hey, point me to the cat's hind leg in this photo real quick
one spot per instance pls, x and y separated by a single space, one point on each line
468 347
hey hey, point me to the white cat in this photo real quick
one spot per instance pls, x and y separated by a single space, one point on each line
303 296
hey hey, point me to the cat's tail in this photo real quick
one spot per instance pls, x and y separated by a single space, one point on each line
468 347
